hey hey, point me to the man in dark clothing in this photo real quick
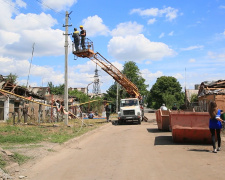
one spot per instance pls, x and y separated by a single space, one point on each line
76 38
91 115
82 35
107 110
174 107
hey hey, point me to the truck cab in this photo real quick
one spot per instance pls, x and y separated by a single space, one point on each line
131 110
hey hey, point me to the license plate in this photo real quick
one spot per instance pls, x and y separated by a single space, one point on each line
128 117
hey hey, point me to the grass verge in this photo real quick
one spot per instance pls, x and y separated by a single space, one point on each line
56 133
2 162
23 138
20 159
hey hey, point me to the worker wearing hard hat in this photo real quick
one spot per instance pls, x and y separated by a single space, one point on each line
82 35
76 38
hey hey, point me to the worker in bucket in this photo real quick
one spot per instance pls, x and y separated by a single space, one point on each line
82 35
76 39
215 125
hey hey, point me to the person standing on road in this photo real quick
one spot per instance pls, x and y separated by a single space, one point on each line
82 35
76 39
107 110
215 124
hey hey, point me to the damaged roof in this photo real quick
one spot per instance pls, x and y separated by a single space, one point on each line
212 87
8 85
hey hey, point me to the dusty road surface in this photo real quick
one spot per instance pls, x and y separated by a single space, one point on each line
130 152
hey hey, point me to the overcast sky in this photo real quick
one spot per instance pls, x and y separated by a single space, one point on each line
183 39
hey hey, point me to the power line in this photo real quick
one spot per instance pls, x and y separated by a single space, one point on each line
40 2
12 5
29 14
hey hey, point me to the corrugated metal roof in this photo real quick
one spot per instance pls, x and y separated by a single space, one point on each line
212 87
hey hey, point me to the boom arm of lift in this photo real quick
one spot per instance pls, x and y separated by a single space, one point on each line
108 68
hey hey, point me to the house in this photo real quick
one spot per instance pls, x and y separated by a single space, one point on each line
35 103
15 100
212 91
189 93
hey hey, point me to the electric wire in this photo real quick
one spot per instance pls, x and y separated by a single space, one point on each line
30 15
42 3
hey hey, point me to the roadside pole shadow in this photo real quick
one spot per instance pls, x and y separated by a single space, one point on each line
164 140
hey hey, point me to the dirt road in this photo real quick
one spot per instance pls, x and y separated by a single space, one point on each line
130 152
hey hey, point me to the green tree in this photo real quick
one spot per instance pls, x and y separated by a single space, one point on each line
94 106
166 90
82 97
194 98
111 95
56 90
132 72
12 78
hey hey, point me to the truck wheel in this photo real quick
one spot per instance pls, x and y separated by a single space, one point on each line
119 122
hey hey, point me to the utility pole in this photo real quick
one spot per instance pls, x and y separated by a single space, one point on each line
30 66
117 97
66 69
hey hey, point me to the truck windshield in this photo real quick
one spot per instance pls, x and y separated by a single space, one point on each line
130 102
